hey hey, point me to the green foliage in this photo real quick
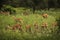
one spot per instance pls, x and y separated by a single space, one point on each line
49 33
8 8
30 3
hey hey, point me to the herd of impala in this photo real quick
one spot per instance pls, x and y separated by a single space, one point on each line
28 26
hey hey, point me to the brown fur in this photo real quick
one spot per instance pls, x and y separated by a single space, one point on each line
16 26
28 28
44 25
45 15
18 19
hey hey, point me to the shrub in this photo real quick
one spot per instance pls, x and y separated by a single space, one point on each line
8 8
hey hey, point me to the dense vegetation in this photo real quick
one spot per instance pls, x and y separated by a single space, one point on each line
35 4
33 26
29 20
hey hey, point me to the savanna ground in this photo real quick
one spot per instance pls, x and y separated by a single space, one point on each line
33 26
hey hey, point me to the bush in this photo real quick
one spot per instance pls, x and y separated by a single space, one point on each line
8 8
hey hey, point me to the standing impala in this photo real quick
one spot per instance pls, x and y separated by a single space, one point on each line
28 28
18 19
17 26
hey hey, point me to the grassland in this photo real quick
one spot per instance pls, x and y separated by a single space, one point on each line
47 33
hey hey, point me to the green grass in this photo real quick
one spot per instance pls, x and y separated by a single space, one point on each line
49 33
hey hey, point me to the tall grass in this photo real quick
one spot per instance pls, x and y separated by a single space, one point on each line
49 33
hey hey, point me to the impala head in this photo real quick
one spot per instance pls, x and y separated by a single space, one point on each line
45 15
13 28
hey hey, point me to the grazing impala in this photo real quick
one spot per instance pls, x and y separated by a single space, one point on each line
44 25
17 26
18 19
45 15
5 13
28 28
36 25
